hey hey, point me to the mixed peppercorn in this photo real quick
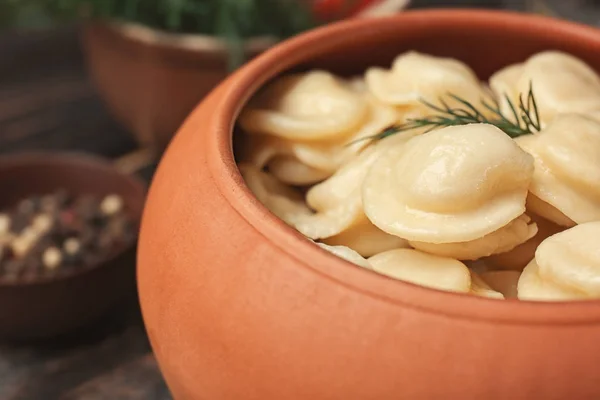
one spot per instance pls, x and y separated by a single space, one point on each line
54 233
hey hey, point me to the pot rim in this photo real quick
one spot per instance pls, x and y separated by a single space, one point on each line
185 41
232 95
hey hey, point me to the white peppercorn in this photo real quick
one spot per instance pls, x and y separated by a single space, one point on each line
42 223
5 223
72 246
22 243
52 258
111 204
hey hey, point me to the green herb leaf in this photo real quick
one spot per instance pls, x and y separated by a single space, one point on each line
525 116
232 20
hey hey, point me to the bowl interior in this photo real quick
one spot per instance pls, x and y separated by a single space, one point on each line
486 41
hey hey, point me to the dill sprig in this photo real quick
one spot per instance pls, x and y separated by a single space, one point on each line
524 118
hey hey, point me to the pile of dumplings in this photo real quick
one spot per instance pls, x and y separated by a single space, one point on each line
462 208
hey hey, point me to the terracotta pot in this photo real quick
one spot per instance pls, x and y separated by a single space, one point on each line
151 80
239 306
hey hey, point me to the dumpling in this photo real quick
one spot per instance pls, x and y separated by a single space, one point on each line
415 76
423 269
308 161
290 170
521 255
451 185
566 266
505 282
567 170
323 155
282 200
479 287
310 106
329 156
572 258
505 239
347 254
345 183
367 239
561 84
343 188
532 286
288 204
263 151
335 204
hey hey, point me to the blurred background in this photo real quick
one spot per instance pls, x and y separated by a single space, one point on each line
96 89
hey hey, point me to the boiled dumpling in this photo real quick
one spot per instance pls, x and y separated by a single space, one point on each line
367 239
566 266
347 182
290 170
301 161
335 204
282 200
567 168
415 76
532 286
561 84
344 184
343 188
263 151
572 258
329 156
310 106
288 204
347 254
521 255
423 269
326 156
455 184
505 239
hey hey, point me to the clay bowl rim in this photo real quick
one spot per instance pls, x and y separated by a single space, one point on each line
235 92
73 158
189 42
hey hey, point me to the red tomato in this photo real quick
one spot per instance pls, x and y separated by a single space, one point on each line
362 5
327 9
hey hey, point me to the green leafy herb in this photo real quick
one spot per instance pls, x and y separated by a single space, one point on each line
231 20
523 119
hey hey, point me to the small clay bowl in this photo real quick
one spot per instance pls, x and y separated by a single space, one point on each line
238 305
51 306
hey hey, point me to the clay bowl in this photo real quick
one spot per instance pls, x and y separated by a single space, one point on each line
240 306
151 80
52 306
